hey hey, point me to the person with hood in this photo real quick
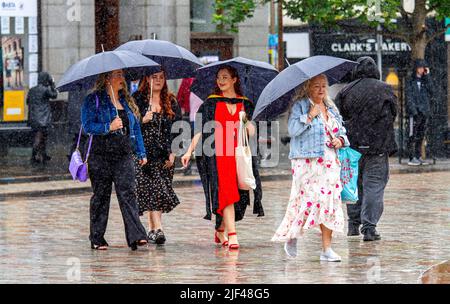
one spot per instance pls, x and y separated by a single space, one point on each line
418 95
369 108
38 101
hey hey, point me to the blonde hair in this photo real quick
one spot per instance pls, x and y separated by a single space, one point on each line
303 92
101 85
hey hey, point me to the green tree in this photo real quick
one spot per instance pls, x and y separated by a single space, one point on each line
229 13
397 23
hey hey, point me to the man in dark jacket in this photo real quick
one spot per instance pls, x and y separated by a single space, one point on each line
418 94
40 115
369 107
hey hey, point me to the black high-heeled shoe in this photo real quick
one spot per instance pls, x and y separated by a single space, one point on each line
135 245
99 247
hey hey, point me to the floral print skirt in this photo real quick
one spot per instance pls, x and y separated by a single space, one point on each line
315 197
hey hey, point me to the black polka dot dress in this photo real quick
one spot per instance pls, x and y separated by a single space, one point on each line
153 181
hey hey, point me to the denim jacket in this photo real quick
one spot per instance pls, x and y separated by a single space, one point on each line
308 139
96 121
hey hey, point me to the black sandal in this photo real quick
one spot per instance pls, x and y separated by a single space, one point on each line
99 247
140 243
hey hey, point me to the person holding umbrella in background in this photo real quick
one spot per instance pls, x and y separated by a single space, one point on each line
159 110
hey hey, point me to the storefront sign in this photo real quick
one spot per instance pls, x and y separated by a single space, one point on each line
18 8
352 46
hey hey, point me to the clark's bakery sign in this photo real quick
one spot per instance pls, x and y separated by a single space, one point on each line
18 8
369 47
352 46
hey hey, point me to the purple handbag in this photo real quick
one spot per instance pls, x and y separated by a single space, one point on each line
77 167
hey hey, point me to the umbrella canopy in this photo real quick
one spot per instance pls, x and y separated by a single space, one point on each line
84 74
254 76
277 95
177 61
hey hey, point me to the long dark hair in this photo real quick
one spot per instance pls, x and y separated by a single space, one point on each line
166 95
234 74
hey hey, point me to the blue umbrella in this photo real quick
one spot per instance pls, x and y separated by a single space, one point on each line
277 95
84 74
254 76
177 61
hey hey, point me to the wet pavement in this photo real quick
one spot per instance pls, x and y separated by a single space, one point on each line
45 240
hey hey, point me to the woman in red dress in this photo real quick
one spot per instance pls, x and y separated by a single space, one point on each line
219 174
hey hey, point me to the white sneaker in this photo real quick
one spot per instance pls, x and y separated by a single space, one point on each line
330 256
414 162
290 247
422 162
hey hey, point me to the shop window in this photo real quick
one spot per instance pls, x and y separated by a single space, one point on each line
201 15
19 59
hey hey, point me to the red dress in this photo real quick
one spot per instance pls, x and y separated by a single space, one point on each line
225 142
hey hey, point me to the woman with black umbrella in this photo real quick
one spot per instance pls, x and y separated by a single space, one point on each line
217 167
111 116
159 110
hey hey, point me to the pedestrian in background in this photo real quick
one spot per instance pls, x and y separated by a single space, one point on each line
316 131
38 101
418 95
218 167
159 110
369 108
112 117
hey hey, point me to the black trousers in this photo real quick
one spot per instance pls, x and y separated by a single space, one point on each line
103 172
40 135
415 139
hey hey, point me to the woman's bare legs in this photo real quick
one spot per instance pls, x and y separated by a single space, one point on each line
230 224
156 220
326 237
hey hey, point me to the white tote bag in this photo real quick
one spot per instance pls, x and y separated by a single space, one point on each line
243 154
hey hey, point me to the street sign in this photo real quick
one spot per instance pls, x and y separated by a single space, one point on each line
447 33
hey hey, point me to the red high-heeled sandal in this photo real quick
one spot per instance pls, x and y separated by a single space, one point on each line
232 246
218 241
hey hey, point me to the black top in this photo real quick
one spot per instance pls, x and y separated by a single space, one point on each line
157 133
114 144
125 122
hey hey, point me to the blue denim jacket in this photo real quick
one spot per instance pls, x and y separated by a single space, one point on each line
96 121
308 140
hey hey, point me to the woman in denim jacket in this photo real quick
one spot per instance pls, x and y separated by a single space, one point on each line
316 131
112 117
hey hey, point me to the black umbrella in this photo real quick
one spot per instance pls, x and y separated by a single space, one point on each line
277 95
254 76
